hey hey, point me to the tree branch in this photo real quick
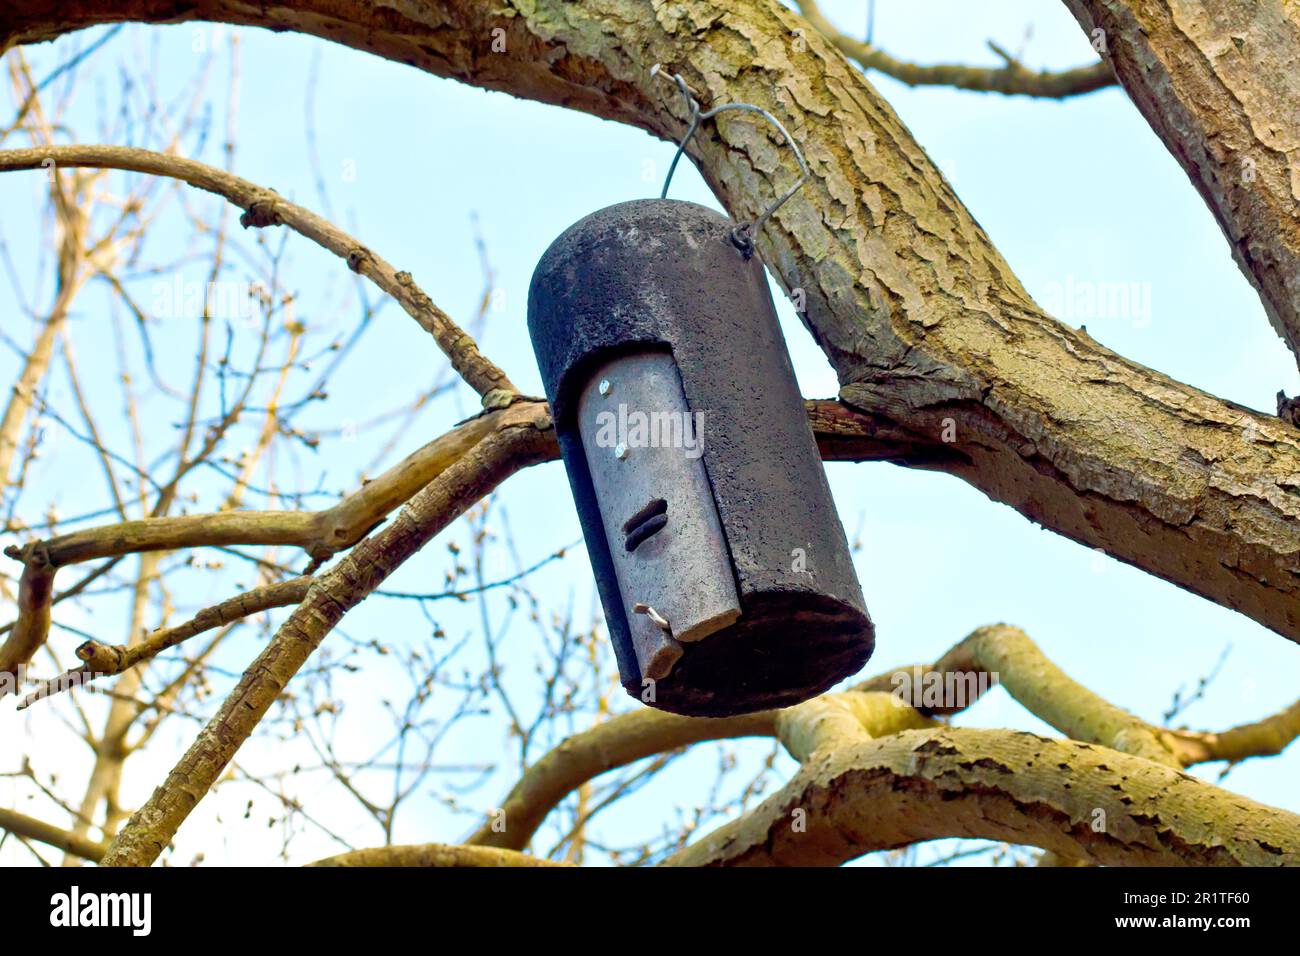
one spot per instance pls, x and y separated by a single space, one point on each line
264 207
834 721
321 534
879 708
1216 81
613 743
108 660
518 440
1061 795
926 324
842 434
1012 79
32 829
32 626
1263 738
435 855
1051 695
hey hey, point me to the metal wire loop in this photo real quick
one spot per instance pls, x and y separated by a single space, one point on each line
744 233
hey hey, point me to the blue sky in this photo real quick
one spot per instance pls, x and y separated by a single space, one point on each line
1075 194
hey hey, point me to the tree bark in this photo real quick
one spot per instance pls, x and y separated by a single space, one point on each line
440 855
1065 796
1219 85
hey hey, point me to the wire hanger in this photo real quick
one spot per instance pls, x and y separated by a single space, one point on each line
743 235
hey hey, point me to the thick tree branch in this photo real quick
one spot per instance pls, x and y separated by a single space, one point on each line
1262 738
834 721
878 708
32 626
872 780
1218 83
925 323
1051 695
1000 785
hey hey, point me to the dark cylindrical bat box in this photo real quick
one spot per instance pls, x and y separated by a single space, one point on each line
719 557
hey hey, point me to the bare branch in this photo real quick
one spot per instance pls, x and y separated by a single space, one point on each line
843 435
1012 78
519 439
107 660
321 534
1262 738
264 207
875 708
